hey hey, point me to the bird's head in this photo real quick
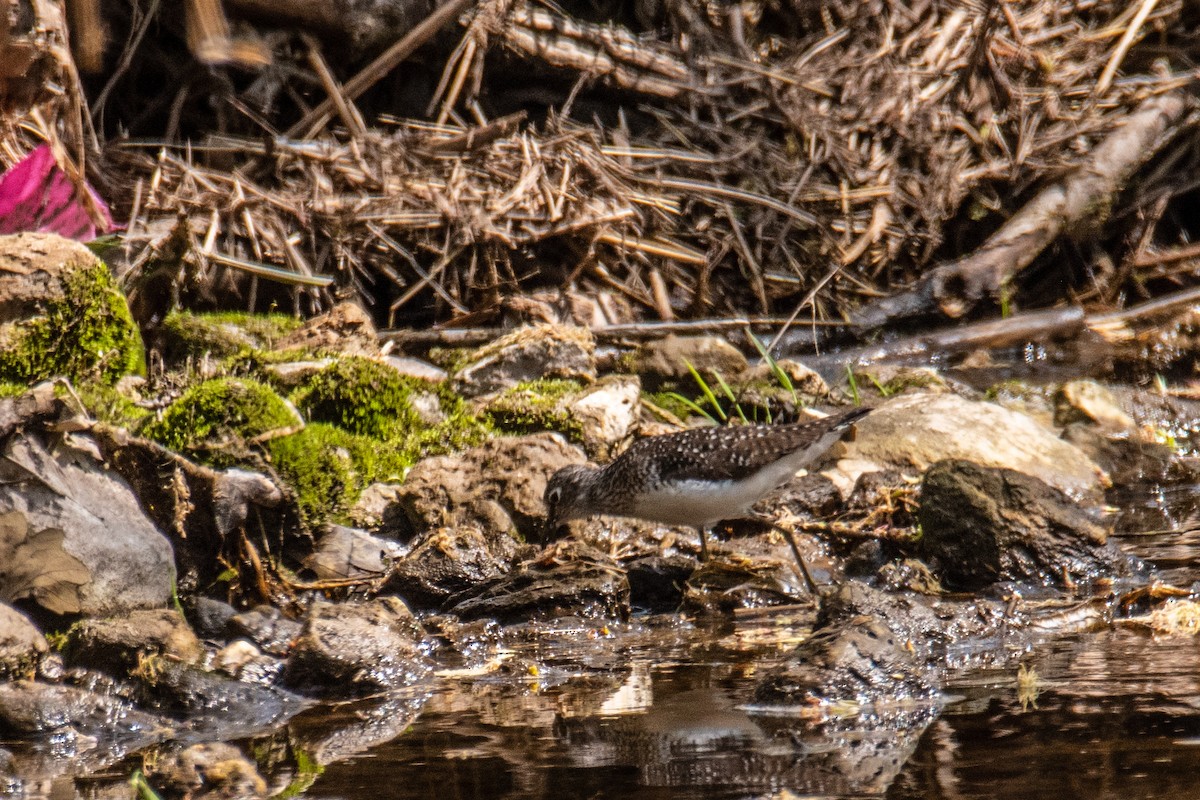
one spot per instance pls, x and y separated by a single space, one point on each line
567 495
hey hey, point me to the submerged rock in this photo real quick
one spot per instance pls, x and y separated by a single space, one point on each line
214 701
535 591
352 649
210 771
870 648
447 561
984 525
29 709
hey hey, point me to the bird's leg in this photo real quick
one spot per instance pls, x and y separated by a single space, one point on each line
703 531
791 540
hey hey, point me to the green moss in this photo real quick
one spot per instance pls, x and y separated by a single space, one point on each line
328 468
86 333
222 335
9 389
108 405
220 412
673 403
361 396
536 406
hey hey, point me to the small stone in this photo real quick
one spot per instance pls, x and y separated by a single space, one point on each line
346 328
1088 401
416 368
666 360
118 645
370 510
343 553
22 645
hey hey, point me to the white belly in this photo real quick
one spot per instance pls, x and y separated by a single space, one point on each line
701 503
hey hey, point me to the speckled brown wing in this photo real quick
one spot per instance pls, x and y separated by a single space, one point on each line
728 453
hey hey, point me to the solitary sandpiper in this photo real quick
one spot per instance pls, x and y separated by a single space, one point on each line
696 477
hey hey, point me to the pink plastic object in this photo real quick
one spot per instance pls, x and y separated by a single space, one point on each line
35 195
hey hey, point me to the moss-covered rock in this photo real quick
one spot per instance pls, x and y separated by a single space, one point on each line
219 416
328 468
221 335
536 406
107 404
64 315
361 396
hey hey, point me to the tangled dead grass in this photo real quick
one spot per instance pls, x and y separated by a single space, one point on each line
759 157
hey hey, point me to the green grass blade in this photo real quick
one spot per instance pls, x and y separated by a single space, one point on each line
853 384
732 398
780 376
708 393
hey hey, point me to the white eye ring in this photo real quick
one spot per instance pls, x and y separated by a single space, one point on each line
554 495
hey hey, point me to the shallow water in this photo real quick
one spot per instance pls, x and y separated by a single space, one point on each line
660 708
650 713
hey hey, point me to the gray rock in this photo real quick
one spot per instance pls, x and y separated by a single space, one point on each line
542 351
358 648
666 360
915 431
497 486
343 552
102 534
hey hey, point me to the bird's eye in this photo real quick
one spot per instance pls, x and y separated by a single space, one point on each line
554 495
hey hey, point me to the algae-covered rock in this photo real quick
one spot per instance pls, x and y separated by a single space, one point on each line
221 334
361 396
536 406
220 416
527 354
597 416
328 468
61 313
